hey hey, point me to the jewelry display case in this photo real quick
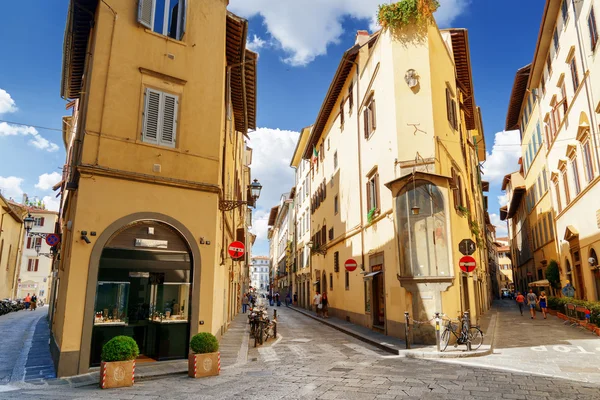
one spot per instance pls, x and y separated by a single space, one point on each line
111 303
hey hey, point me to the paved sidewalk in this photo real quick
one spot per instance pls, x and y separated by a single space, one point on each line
541 346
397 346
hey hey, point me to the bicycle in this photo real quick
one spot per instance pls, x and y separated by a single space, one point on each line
474 336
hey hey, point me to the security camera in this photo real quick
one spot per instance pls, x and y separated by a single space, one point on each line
592 261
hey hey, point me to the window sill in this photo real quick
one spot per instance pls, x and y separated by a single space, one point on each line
167 38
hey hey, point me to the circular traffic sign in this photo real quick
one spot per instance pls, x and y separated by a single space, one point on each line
52 240
236 250
467 264
350 265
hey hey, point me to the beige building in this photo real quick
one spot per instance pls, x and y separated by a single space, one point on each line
12 232
35 274
156 184
505 270
395 183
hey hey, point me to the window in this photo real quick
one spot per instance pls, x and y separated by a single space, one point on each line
451 109
564 102
330 281
335 160
33 242
557 190
342 114
329 143
160 118
555 40
575 175
336 207
566 183
574 75
32 264
373 192
565 10
350 97
549 64
165 17
545 223
592 28
543 81
370 120
336 262
347 279
38 221
587 161
545 180
331 234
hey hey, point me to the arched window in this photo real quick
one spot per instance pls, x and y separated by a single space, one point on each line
422 231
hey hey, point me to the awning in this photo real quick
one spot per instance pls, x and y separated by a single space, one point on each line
372 274
542 283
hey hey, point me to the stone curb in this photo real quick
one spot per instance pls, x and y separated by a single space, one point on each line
487 341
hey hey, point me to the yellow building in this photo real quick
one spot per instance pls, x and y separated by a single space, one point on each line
11 246
156 185
395 183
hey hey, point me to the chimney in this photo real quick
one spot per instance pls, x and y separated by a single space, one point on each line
362 37
25 198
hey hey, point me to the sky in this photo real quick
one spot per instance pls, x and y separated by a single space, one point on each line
299 44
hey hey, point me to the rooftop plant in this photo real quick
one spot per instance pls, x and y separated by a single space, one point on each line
406 12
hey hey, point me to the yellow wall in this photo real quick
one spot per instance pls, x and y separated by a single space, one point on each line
11 243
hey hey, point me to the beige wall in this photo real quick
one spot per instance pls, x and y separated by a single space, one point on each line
11 239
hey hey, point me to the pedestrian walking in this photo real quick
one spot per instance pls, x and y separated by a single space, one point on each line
295 298
288 299
245 303
325 304
317 303
531 302
543 302
27 301
520 299
33 302
277 299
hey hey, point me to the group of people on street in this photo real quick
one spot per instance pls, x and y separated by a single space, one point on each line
532 301
248 299
321 303
30 302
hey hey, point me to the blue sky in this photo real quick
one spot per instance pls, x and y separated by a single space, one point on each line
300 44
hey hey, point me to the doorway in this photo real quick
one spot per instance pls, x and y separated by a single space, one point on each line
376 279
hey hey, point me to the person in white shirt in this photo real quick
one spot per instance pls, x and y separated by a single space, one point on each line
317 303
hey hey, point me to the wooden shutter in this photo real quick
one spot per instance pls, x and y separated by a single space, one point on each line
373 115
324 189
151 116
37 262
42 221
376 184
368 196
169 120
449 106
146 13
342 112
28 242
366 122
351 95
324 234
29 265
183 18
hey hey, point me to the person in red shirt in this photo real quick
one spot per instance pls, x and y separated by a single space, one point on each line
520 301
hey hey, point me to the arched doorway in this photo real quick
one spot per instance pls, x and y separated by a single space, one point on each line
143 290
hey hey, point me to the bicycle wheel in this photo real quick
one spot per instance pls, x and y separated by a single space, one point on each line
444 339
475 337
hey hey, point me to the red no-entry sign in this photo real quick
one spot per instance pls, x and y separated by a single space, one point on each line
467 264
350 265
236 250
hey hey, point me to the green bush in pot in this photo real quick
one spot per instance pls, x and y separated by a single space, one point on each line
203 343
120 348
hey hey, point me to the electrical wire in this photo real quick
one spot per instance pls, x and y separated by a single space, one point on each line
31 126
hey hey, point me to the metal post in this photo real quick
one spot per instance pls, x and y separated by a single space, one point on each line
437 330
467 326
275 323
406 329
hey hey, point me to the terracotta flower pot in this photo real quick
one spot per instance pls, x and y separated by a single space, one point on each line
117 374
562 316
552 312
201 365
591 327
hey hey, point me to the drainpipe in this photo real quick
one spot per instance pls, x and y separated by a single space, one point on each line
586 83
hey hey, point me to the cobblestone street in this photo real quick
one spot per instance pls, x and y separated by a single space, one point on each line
313 361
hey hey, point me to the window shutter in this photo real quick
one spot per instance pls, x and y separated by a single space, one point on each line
368 196
37 261
29 265
183 19
42 221
146 13
448 105
324 189
376 183
373 115
28 242
151 116
366 122
169 120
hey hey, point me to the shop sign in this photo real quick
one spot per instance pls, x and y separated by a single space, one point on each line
152 243
139 274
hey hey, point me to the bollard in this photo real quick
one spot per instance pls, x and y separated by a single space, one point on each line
406 329
467 326
275 323
437 330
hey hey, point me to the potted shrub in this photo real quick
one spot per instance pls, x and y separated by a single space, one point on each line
118 362
205 359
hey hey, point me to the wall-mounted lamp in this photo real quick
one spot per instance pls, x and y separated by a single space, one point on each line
254 188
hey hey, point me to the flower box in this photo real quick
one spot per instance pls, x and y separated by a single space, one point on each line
562 316
116 374
201 365
551 312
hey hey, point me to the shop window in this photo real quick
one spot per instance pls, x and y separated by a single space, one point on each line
160 118
423 237
165 17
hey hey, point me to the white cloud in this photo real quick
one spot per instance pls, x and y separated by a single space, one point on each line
504 157
36 140
7 104
304 29
256 43
10 187
46 181
501 229
272 150
503 199
51 203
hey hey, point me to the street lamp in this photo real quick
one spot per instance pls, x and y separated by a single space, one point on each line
28 221
254 188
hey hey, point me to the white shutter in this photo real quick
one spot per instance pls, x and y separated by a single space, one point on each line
169 120
151 116
146 13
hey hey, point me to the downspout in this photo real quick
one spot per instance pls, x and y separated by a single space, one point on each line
586 83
